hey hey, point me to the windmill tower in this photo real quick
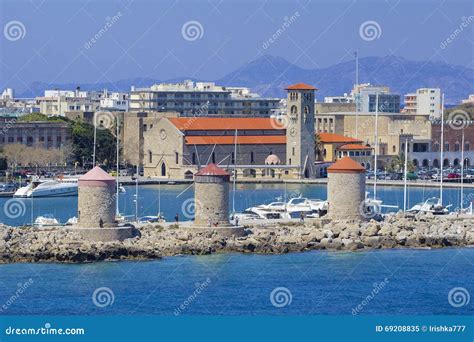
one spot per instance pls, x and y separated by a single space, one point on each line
300 144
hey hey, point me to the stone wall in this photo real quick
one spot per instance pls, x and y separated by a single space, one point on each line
346 192
94 203
211 203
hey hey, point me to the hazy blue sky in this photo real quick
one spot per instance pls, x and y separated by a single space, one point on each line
146 38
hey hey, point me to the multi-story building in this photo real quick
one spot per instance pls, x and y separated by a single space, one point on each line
452 138
58 102
392 129
201 99
424 101
44 134
366 97
332 147
470 99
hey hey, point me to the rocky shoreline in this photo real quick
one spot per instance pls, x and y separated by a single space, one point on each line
27 244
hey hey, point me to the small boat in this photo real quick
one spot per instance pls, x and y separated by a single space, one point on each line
122 189
256 213
48 188
152 219
431 205
46 221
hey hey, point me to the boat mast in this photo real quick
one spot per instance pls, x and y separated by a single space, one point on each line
95 140
376 141
442 150
405 177
462 170
235 172
117 174
356 55
136 192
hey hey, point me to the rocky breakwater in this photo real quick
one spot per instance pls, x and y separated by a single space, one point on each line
396 231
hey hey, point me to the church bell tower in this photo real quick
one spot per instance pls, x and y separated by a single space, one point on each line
300 142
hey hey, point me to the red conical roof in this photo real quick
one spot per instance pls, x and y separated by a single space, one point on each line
96 174
212 170
346 165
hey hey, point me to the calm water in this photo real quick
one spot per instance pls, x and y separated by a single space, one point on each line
318 282
174 199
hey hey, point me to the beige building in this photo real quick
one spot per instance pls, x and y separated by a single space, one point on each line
392 129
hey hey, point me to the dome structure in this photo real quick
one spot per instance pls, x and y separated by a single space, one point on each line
272 159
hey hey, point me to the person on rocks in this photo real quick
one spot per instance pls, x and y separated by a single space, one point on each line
176 218
302 217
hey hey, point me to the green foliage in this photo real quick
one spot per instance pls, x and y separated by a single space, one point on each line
397 164
83 143
41 117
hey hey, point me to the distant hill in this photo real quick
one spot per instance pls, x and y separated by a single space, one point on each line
269 75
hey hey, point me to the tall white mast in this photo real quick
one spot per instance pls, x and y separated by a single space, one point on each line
462 170
442 151
356 54
235 172
118 166
376 142
95 140
405 177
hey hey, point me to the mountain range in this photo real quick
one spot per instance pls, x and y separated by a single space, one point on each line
269 75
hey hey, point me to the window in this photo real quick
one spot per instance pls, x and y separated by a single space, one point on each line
252 157
194 158
466 146
446 147
214 157
294 109
232 158
292 151
163 170
394 148
150 157
176 158
456 147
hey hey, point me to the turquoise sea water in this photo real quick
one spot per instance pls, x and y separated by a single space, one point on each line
414 282
18 211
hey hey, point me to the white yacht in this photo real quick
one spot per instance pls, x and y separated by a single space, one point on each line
46 220
431 205
48 188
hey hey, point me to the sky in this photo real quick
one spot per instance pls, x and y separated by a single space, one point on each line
104 41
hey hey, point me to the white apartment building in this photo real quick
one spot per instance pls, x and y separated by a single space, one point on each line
424 101
58 102
201 98
366 97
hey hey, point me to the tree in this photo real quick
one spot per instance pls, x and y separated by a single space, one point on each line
83 143
397 164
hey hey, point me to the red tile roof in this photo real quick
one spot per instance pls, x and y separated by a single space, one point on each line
301 86
355 147
212 170
346 165
217 124
230 140
336 138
